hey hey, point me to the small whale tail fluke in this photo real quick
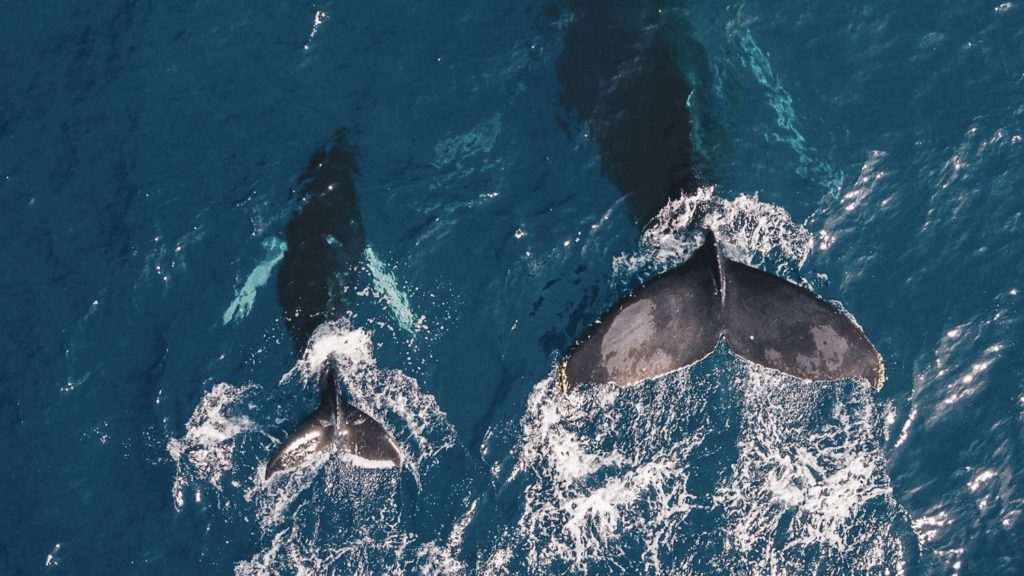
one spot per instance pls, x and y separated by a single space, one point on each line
678 318
336 425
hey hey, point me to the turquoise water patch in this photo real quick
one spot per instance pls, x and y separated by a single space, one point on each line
458 156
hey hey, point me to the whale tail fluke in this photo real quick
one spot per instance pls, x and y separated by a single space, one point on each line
678 318
336 425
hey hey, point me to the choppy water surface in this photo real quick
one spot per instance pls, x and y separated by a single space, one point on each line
148 153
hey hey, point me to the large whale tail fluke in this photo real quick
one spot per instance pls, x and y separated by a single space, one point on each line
336 425
678 318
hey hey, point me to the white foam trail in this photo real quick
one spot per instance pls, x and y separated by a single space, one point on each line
246 295
318 19
587 484
204 454
809 490
604 475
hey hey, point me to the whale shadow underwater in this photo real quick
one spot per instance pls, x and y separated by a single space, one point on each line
619 75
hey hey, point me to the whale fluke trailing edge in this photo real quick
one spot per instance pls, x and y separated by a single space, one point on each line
336 425
678 319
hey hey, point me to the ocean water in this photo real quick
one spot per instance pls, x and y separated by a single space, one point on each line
872 151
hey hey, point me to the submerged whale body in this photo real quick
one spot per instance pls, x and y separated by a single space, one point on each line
325 245
619 74
678 319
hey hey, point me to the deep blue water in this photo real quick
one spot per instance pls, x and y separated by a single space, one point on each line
148 152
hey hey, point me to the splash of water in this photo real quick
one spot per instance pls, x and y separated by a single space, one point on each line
292 508
205 453
749 231
808 491
743 470
587 490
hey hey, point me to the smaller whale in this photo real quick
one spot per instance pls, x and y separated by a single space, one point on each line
679 318
325 242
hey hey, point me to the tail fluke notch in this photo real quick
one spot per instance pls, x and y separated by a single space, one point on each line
336 425
678 318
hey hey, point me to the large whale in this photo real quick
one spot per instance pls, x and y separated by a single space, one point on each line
325 243
619 75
